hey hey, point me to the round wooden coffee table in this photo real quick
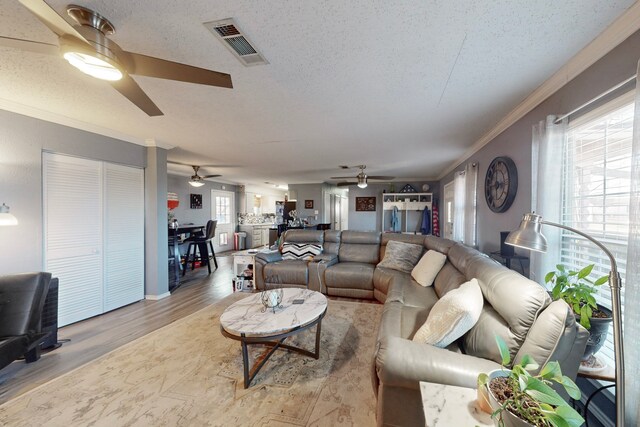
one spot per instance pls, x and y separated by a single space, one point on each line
248 322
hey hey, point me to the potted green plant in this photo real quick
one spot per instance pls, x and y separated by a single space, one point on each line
578 290
519 398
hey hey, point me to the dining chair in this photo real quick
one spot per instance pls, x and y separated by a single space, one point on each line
202 244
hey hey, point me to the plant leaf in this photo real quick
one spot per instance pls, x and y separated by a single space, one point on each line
528 363
483 379
550 275
504 351
585 272
601 281
570 415
551 371
571 387
556 420
543 393
560 267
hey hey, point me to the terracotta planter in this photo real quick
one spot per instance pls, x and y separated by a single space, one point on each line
508 418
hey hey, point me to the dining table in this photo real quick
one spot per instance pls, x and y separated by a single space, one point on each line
178 236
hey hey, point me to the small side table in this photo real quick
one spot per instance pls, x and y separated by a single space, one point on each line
447 405
608 374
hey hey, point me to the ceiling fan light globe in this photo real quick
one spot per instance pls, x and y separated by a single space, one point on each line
196 183
93 66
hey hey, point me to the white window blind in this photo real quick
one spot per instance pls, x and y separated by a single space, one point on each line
596 186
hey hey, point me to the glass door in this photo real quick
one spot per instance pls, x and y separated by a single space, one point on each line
223 209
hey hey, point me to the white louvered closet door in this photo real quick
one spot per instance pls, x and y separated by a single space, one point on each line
124 235
73 234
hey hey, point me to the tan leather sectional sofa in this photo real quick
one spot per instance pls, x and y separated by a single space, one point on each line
516 308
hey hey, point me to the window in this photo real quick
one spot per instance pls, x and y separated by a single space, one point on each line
465 184
595 194
223 210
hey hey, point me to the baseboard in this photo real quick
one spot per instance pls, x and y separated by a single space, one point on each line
157 297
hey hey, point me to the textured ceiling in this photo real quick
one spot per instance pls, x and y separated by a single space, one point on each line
401 86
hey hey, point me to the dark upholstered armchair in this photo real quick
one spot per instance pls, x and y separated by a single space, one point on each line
21 300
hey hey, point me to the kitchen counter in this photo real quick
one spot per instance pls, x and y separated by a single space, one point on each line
257 234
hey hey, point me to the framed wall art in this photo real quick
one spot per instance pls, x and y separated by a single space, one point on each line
308 204
365 204
196 201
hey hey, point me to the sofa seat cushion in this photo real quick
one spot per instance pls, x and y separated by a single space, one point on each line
354 275
287 272
407 291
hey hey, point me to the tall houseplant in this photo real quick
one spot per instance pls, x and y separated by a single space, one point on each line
520 398
578 290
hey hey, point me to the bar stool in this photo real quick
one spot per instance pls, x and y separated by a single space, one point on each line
202 244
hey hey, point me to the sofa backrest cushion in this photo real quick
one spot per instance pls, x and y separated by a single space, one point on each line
416 239
21 300
332 242
401 256
438 244
302 251
360 246
303 236
448 279
513 303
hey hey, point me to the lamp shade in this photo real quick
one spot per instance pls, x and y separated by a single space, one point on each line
362 180
528 235
7 218
196 183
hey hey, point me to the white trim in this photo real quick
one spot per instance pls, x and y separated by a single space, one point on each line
623 27
157 297
152 142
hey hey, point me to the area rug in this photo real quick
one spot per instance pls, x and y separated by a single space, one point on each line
188 374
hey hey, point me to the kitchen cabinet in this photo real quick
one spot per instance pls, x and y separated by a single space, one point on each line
257 234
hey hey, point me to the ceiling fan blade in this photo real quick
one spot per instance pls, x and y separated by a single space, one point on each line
210 176
379 177
149 66
51 19
343 177
130 89
30 46
346 184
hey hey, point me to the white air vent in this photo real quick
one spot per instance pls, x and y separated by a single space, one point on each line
228 33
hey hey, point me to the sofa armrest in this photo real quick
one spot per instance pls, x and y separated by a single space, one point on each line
262 259
267 257
404 363
317 268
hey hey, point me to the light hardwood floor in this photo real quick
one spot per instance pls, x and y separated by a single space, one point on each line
92 338
99 335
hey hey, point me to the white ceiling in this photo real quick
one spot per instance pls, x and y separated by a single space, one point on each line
404 87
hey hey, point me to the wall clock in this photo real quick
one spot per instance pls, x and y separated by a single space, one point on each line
501 184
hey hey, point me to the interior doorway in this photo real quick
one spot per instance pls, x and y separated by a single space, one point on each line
223 209
339 212
449 200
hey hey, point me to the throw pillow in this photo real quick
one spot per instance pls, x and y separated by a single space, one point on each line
401 256
452 316
428 267
300 251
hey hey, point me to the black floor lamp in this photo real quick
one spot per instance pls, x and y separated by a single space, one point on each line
528 236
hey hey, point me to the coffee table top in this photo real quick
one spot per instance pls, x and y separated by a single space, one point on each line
447 405
246 316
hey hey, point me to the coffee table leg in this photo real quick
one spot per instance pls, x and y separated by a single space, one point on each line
317 353
245 362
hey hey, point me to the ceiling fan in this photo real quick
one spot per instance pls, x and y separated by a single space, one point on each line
361 177
87 47
197 180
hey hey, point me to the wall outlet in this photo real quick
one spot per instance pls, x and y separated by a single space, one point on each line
315 213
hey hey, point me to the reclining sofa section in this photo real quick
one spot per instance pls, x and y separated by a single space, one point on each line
516 308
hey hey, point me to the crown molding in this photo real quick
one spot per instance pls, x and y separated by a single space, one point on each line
59 119
621 29
152 142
